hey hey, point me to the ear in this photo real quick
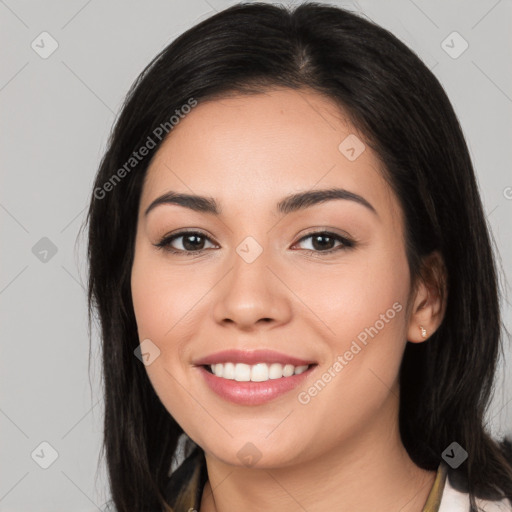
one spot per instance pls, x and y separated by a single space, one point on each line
429 299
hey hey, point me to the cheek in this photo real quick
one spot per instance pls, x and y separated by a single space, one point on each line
362 307
160 312
365 312
168 308
150 302
157 308
346 298
159 294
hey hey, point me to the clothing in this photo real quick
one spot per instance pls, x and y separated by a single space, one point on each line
455 501
185 488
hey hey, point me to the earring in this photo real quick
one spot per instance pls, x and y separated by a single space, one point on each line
423 331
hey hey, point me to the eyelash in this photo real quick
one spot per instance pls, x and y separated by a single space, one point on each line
164 244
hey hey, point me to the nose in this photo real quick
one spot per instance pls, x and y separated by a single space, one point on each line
250 296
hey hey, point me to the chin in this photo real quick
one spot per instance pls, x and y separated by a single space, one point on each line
258 453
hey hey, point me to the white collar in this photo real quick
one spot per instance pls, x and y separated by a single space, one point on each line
456 501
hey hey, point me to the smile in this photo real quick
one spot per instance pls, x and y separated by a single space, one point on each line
253 377
260 372
254 392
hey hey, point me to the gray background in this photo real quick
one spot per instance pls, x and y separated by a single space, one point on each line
56 116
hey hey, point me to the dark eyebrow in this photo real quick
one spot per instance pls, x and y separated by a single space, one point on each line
287 205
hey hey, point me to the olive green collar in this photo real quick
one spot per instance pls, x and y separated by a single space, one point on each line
436 493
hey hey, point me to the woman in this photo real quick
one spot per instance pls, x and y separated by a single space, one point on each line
280 238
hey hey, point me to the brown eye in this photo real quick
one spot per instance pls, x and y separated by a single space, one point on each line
324 241
192 242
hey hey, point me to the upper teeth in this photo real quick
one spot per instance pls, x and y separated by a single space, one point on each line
257 372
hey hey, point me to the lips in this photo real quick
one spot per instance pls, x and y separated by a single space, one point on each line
253 393
242 386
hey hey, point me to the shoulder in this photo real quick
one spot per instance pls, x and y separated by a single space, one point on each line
455 501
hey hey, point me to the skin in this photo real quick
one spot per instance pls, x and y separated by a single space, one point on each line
342 450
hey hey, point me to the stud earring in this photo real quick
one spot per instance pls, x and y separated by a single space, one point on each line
423 331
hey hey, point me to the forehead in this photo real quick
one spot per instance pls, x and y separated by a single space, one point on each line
252 150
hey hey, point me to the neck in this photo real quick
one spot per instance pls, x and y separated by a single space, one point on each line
369 471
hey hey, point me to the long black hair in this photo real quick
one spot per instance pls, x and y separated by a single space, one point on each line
399 106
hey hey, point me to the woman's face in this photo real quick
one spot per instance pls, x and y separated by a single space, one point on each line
268 280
